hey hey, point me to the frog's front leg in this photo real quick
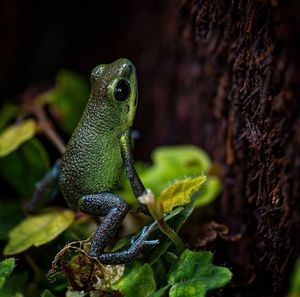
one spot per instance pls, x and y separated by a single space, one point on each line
114 210
45 190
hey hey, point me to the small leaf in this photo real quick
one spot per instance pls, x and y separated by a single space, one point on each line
194 274
38 230
6 268
13 136
7 112
24 167
15 284
295 283
47 293
137 281
179 193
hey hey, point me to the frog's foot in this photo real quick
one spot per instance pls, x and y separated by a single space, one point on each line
142 241
128 255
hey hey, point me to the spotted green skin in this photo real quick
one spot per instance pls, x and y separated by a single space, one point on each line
92 161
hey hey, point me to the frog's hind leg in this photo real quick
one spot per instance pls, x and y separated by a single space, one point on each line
114 210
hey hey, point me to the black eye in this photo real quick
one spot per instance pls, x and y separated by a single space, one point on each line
122 90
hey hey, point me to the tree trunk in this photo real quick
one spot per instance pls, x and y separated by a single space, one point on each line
234 91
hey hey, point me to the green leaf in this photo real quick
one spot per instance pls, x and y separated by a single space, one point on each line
6 268
24 167
38 230
295 282
47 293
69 95
137 281
13 136
179 193
7 112
15 284
11 214
161 292
194 274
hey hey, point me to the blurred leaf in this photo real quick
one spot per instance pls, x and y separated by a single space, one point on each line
71 293
161 292
179 193
15 135
15 285
47 293
24 167
194 274
295 282
10 214
8 111
69 95
171 163
38 229
137 281
6 268
209 191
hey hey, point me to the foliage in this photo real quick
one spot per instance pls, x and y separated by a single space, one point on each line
37 230
295 281
180 178
6 268
176 162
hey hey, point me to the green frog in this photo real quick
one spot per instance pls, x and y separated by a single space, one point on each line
96 155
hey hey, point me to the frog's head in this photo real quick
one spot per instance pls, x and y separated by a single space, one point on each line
114 93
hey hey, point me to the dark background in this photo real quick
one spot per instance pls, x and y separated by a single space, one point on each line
39 38
220 74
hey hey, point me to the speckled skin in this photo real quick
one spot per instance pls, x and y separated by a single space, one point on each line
96 155
92 161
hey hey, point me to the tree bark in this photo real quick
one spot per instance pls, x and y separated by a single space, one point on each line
234 91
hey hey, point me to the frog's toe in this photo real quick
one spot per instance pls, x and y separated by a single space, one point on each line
152 243
144 231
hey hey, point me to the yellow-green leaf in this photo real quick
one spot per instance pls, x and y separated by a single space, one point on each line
179 193
38 229
13 136
6 268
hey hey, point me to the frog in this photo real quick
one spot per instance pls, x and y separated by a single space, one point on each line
96 156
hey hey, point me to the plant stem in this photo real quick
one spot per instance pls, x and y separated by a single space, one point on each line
163 226
47 127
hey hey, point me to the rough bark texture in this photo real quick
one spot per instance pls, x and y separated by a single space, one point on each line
237 87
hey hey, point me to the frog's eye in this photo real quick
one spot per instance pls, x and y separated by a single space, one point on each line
122 90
